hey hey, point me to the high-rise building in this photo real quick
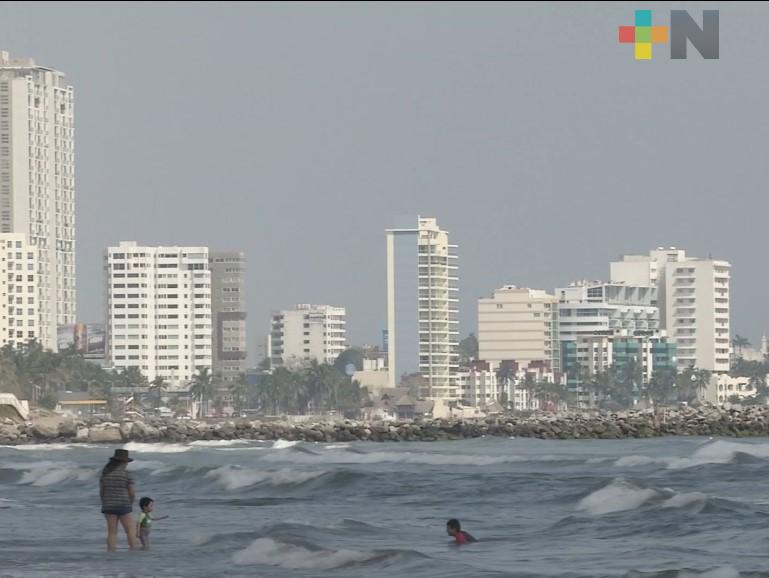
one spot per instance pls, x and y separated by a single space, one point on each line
18 284
594 354
308 332
159 310
37 181
597 308
422 307
697 313
228 311
694 303
521 325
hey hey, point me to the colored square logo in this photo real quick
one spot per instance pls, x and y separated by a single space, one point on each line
643 17
627 34
643 51
643 33
659 34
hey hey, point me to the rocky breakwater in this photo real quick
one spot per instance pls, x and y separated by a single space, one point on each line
753 421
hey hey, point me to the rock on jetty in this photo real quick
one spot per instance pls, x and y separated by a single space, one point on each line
752 421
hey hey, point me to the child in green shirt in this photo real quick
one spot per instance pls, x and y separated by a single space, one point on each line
144 525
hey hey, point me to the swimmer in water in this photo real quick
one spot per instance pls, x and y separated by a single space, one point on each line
454 529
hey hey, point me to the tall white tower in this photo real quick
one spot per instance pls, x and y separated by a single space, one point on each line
37 181
422 307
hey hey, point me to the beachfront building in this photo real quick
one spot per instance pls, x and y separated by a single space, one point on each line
37 183
694 301
307 332
422 307
520 325
598 308
228 315
159 310
19 299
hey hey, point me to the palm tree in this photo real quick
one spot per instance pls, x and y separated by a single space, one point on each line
505 377
739 342
693 383
660 388
757 382
156 391
240 390
602 384
202 388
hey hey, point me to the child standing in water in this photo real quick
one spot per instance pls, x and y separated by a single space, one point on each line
144 526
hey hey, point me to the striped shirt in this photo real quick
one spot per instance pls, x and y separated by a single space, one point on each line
115 489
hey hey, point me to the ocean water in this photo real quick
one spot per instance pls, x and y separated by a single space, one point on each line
673 507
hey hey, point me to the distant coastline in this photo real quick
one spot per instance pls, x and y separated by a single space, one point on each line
707 421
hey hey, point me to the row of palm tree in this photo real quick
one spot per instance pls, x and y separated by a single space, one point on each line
32 372
621 385
310 388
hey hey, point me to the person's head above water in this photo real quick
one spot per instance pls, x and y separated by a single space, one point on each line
453 527
146 504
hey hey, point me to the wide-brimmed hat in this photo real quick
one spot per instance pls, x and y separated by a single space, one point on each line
121 456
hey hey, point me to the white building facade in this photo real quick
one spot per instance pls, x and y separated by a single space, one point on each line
308 332
422 307
606 308
19 318
694 303
37 181
159 310
521 325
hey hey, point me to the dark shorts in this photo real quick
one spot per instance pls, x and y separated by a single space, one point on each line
117 511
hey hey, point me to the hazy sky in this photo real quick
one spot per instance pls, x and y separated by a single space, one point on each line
298 133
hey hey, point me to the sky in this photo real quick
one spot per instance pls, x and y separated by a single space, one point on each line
299 132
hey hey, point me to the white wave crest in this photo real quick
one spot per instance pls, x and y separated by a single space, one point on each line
344 457
51 447
718 452
724 572
597 460
52 473
618 496
218 443
634 461
283 444
268 552
160 448
234 478
686 500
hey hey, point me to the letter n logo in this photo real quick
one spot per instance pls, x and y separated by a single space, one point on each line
683 28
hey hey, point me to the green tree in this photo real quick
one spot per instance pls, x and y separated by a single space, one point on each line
202 389
739 343
692 384
241 392
468 349
661 387
351 356
156 392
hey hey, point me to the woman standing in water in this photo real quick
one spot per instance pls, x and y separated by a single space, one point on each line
116 488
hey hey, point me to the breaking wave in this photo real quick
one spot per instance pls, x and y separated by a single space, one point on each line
156 448
233 478
622 495
717 452
269 552
46 473
722 572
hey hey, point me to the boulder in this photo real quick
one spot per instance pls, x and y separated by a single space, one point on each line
68 428
108 434
45 431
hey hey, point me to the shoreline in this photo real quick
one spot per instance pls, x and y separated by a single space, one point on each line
708 421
